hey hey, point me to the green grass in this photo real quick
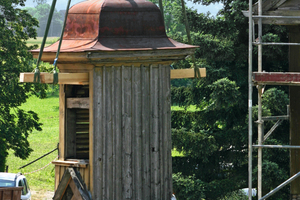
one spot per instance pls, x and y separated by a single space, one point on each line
191 108
41 142
38 41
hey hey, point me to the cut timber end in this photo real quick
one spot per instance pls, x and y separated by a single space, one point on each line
186 73
276 78
63 78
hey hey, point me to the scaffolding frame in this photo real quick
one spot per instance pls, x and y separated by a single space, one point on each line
261 119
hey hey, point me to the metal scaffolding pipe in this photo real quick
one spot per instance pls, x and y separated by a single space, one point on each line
275 43
250 90
281 186
278 146
259 88
274 17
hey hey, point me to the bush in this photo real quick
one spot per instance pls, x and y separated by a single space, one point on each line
188 187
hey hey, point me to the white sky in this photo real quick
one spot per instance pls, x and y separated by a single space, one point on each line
61 5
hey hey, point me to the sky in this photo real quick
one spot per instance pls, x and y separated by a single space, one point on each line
61 5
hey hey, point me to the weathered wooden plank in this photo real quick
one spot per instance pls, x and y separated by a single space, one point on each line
82 103
137 151
169 135
165 94
91 133
154 132
127 131
146 121
108 134
118 139
63 78
276 78
186 73
98 124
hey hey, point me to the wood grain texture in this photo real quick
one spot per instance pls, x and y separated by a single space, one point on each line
131 136
62 122
63 78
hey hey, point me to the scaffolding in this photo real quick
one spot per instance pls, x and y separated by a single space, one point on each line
259 79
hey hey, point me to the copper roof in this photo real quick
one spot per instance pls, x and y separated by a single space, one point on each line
111 25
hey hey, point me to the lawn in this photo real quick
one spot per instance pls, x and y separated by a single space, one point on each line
38 41
41 142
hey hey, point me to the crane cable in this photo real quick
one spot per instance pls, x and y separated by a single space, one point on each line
37 78
55 74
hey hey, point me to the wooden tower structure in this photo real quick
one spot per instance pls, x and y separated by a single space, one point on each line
114 101
287 13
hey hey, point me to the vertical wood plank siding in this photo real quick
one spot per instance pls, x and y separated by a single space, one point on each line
132 133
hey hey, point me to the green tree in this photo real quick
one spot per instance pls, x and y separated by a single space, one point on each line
41 13
214 139
16 26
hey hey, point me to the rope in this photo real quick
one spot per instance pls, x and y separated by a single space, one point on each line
55 73
37 78
42 167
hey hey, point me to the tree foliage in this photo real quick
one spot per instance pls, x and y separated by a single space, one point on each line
214 139
16 26
41 13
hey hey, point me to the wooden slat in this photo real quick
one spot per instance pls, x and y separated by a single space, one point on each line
82 103
276 78
186 73
127 131
118 133
89 176
146 113
63 78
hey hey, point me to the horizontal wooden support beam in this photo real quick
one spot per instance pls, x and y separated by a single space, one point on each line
186 73
83 103
63 78
83 78
276 78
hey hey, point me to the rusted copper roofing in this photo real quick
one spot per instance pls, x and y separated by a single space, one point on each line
111 25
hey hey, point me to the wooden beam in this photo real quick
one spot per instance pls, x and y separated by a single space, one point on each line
82 103
276 78
83 78
186 73
63 78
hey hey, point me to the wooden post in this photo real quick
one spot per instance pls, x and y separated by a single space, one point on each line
294 36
